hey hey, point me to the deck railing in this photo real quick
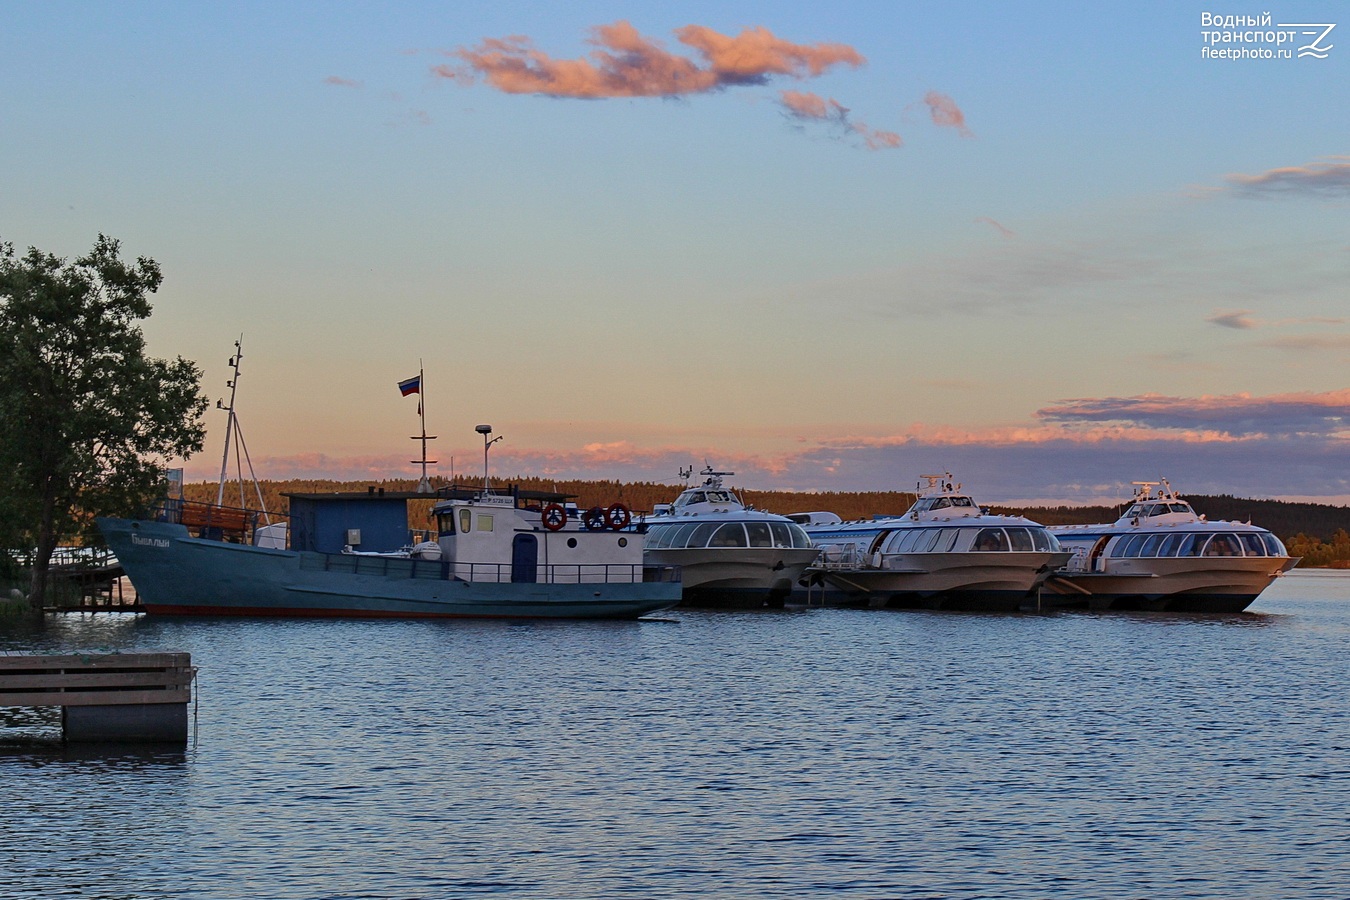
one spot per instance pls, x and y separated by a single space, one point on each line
405 567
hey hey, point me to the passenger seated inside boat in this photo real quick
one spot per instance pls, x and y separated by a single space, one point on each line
1223 545
991 540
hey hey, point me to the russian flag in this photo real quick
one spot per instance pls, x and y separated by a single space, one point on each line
411 386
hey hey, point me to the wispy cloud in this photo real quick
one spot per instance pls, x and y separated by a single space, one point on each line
1326 178
946 114
1239 319
338 81
1227 416
1309 343
1244 320
626 63
808 107
1006 232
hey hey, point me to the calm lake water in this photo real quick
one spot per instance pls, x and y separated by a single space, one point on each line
808 753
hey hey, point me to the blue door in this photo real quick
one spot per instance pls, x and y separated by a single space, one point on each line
524 558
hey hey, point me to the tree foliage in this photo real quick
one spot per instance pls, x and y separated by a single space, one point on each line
88 418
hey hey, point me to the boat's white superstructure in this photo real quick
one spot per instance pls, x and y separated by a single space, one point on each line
1161 555
944 553
728 553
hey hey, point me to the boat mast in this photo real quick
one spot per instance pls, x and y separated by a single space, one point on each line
233 385
423 486
235 431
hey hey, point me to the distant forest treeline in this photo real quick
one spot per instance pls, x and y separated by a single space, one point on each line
1318 533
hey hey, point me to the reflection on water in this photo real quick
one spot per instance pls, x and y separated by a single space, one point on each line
857 753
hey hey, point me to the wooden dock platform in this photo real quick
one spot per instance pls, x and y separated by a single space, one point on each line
115 697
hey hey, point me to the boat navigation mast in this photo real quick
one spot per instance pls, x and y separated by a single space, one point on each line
423 486
233 430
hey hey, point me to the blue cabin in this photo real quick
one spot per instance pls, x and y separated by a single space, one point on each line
371 522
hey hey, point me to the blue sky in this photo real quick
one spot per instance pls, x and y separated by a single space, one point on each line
1051 248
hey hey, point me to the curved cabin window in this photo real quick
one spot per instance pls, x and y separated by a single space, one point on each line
800 538
926 540
1151 545
1251 544
1273 545
1223 545
675 536
782 535
698 537
1020 538
1191 545
760 534
1170 544
732 534
1044 541
901 541
946 540
1129 547
991 539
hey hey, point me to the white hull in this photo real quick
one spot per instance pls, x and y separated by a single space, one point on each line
740 575
1193 584
961 580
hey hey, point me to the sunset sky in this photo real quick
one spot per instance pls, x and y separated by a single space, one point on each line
1050 247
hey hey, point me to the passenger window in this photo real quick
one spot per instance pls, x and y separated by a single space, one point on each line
1042 540
465 521
905 540
1170 545
679 537
925 541
991 540
1191 545
699 536
946 540
1251 544
782 534
1020 538
1150 546
759 533
732 534
799 537
1273 545
484 523
1128 547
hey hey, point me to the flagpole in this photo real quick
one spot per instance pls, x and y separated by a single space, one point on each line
423 486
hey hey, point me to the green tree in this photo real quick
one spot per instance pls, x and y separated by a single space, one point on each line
87 420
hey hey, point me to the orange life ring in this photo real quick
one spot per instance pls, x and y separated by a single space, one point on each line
618 517
554 517
594 519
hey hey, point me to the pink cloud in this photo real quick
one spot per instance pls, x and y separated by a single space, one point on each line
627 64
1325 179
338 81
946 114
806 106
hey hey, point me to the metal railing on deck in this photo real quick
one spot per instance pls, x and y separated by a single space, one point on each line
211 521
406 567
